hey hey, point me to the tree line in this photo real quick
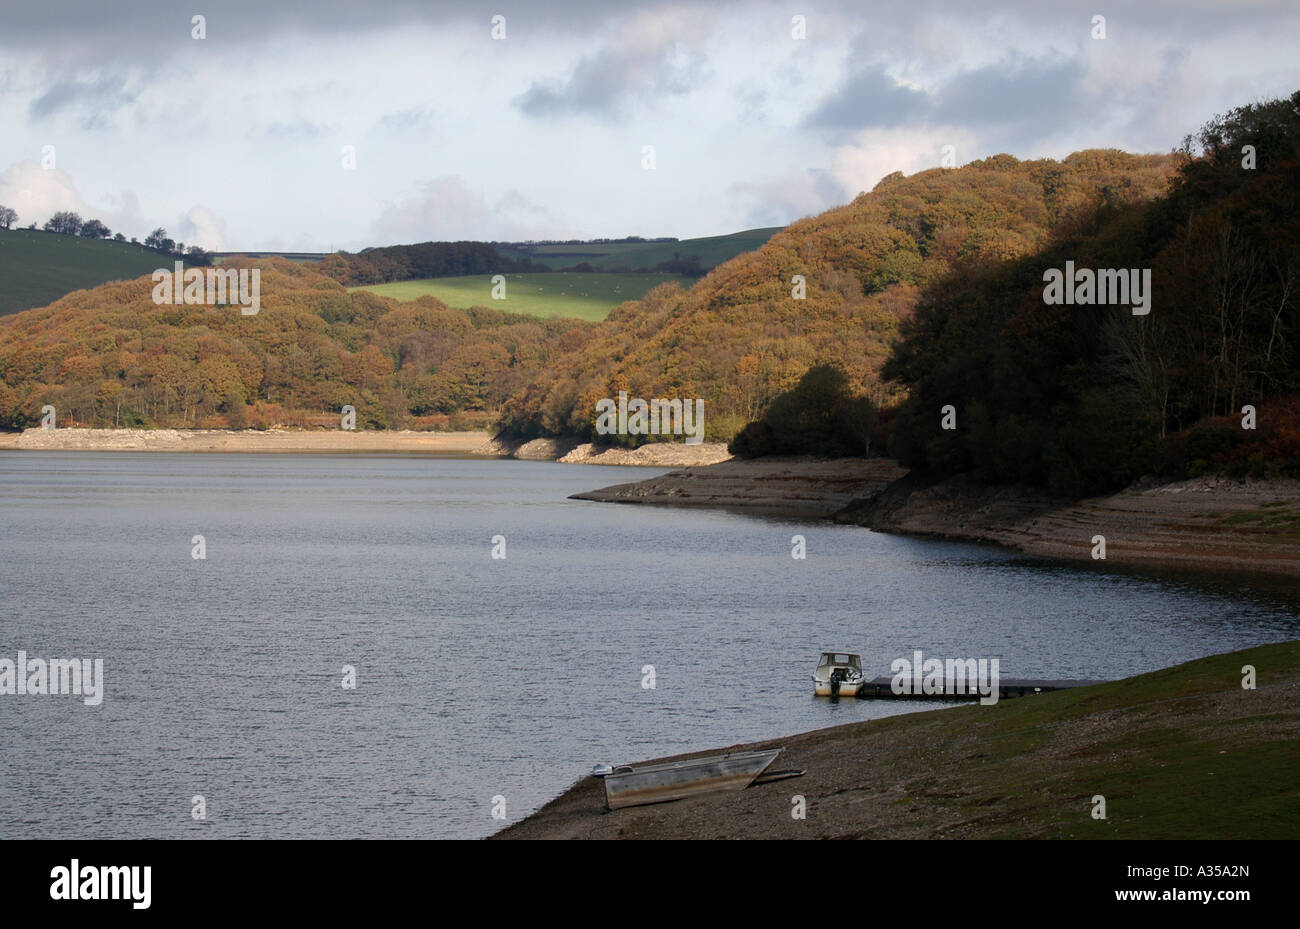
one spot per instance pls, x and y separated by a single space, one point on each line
67 222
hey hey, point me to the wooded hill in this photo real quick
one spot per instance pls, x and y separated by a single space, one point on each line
738 338
111 357
1087 398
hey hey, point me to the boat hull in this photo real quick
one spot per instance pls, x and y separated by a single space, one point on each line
660 783
823 689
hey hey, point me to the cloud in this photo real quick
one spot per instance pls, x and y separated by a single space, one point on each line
874 153
870 98
656 54
200 226
1017 91
37 193
416 119
1014 91
446 210
289 130
780 201
97 98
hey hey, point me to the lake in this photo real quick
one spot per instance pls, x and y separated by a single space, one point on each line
477 677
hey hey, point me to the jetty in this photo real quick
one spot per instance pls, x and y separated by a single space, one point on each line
881 688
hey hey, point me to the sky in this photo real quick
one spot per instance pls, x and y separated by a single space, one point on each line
328 125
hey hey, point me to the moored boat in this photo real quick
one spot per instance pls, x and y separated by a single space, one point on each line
635 785
838 674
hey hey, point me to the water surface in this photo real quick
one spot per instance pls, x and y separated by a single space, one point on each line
476 677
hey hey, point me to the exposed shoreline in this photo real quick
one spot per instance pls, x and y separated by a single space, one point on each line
1247 527
1024 768
248 440
477 444
794 487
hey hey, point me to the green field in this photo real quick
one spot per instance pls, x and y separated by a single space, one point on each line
38 268
584 296
710 250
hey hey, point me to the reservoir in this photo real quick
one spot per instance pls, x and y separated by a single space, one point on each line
478 677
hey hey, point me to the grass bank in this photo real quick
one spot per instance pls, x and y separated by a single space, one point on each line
1181 753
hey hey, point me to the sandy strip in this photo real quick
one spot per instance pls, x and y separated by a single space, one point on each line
250 440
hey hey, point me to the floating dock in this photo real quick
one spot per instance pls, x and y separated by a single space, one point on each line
881 688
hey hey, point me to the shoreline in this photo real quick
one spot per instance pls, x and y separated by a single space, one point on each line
272 441
476 444
1217 524
1022 768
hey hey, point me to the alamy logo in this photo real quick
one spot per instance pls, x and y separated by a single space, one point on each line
62 676
954 677
103 882
655 417
215 287
1107 286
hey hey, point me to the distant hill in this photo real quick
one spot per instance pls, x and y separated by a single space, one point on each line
709 251
38 268
573 294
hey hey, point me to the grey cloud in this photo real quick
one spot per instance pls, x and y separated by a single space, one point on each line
607 83
1018 92
127 29
1032 91
870 98
97 98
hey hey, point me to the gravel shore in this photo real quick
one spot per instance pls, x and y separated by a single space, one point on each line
1206 524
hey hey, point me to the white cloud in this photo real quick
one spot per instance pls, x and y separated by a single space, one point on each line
200 226
446 209
37 193
875 153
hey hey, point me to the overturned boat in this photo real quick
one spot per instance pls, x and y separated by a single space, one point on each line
838 674
635 785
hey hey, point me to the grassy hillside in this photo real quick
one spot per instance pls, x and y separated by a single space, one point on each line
571 294
1182 753
710 250
40 267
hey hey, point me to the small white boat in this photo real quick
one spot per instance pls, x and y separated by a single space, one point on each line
839 674
635 785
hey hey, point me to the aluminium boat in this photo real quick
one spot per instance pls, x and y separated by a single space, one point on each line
636 785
